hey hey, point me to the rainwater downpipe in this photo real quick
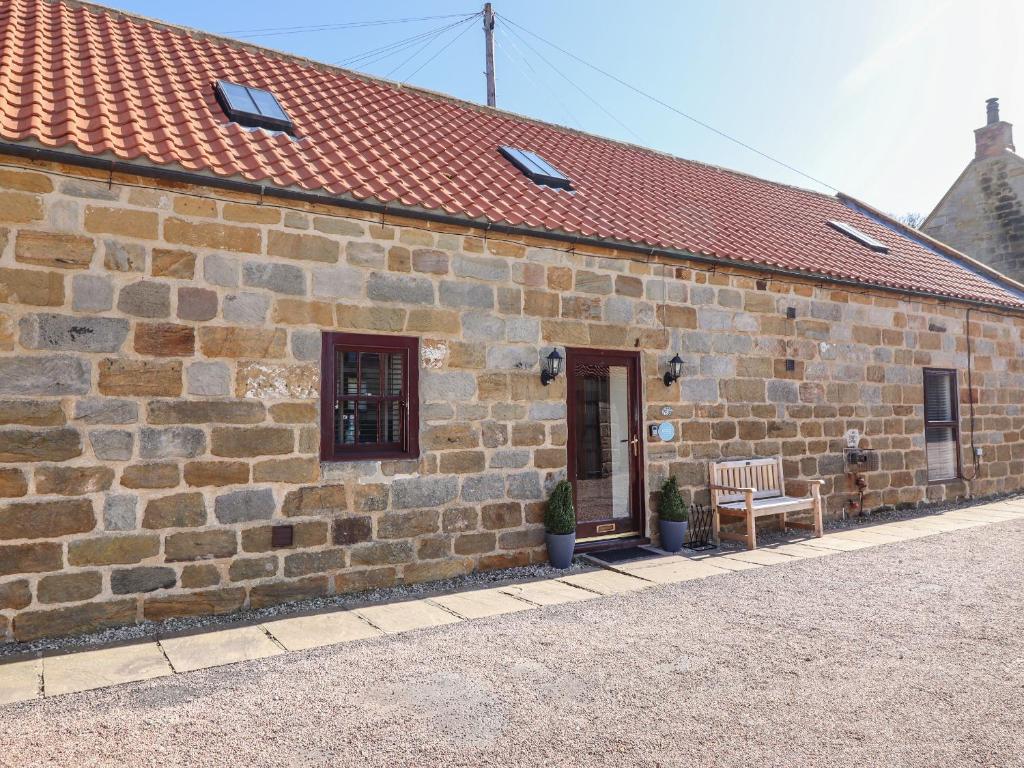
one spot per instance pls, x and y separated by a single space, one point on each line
970 404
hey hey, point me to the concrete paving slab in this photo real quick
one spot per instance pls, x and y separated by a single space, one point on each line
74 672
548 592
674 571
857 534
760 557
728 564
940 525
606 582
901 531
980 515
840 544
214 649
405 616
795 549
479 603
20 681
300 633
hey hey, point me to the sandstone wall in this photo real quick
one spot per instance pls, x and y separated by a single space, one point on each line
159 378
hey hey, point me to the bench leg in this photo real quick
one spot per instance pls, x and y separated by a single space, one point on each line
751 532
818 527
716 525
782 521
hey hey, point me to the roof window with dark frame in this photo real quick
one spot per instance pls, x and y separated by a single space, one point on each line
536 168
852 232
252 107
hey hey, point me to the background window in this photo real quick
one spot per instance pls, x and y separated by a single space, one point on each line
941 424
369 397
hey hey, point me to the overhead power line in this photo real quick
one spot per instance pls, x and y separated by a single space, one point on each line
668 106
444 48
523 64
379 53
272 31
427 43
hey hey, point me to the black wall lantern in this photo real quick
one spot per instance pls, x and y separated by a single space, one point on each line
675 370
552 367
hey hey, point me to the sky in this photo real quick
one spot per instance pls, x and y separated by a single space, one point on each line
878 99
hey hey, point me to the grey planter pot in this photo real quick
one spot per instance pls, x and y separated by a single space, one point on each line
560 549
673 534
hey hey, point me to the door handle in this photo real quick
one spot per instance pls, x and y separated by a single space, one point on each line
635 442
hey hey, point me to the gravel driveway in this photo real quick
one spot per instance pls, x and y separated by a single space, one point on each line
908 654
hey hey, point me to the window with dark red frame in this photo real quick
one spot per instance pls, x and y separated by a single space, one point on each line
941 424
369 403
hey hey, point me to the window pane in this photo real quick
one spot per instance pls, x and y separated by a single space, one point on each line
238 98
367 414
348 374
392 422
346 429
395 374
941 453
267 104
370 374
938 396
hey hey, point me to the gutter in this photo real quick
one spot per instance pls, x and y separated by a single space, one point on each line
264 191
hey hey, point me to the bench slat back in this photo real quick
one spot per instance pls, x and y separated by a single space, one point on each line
763 474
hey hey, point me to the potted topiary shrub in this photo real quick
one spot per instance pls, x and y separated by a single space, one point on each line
560 524
673 515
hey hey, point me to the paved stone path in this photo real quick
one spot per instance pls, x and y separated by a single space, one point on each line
59 674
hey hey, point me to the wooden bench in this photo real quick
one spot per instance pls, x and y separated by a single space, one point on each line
747 489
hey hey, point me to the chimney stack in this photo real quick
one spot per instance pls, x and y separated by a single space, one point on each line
996 137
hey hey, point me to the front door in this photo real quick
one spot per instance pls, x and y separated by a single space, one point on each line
605 454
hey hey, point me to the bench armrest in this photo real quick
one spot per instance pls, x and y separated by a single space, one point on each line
731 489
811 487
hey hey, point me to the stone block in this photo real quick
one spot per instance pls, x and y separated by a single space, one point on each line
126 222
338 283
271 381
245 506
199 575
56 250
409 493
214 236
150 476
112 444
119 512
124 549
196 303
466 295
92 293
180 510
305 563
305 345
78 619
205 412
171 443
49 375
69 587
32 413
374 318
305 534
208 379
127 581
263 595
164 340
360 254
106 410
178 264
72 481
216 473
279 278
301 312
206 603
524 485
31 286
430 261
30 558
316 500
447 386
294 413
352 530
15 595
382 553
140 378
73 334
294 470
483 487
291 245
145 299
12 483
246 308
199 545
240 442
221 270
22 445
123 257
249 568
462 462
250 343
400 288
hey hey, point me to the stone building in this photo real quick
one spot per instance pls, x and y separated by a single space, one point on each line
982 214
272 329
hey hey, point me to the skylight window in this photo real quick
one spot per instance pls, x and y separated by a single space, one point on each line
851 231
251 106
536 168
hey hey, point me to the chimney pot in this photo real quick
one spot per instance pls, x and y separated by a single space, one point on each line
992 110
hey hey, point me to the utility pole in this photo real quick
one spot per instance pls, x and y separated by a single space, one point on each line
489 53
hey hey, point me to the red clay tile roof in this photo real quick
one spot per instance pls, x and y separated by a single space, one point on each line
83 78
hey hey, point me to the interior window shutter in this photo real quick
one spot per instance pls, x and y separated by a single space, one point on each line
940 427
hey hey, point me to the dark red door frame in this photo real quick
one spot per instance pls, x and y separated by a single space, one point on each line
631 359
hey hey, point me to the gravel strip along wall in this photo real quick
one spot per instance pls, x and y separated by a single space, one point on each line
159 379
